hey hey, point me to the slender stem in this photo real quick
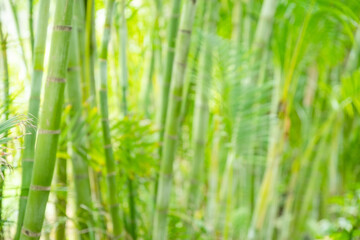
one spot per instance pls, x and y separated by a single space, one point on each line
61 193
201 114
172 120
6 93
17 26
89 60
33 108
109 154
49 126
79 161
124 86
170 54
190 80
31 29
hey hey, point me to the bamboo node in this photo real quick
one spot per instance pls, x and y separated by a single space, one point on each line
171 49
72 69
29 233
181 64
114 205
62 28
45 131
173 137
186 31
84 231
81 176
111 174
177 98
56 79
174 15
107 146
39 188
28 160
35 97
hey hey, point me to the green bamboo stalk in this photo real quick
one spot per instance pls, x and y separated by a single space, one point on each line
265 24
17 26
147 86
123 59
3 42
79 21
201 114
33 109
89 71
147 82
259 48
31 29
172 120
190 79
312 182
172 32
269 178
79 160
48 132
61 193
124 86
90 52
237 19
170 54
248 22
109 154
213 178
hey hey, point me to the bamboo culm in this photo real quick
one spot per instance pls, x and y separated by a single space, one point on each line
124 87
31 30
172 121
33 110
48 131
109 154
61 193
6 93
79 161
169 60
89 74
201 114
17 26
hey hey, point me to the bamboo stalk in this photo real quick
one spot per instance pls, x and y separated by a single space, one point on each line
61 193
248 22
6 88
109 154
201 114
124 106
89 73
31 29
172 121
237 20
48 132
90 52
33 108
17 26
79 160
191 76
172 32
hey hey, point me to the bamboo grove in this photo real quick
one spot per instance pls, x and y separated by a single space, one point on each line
180 119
